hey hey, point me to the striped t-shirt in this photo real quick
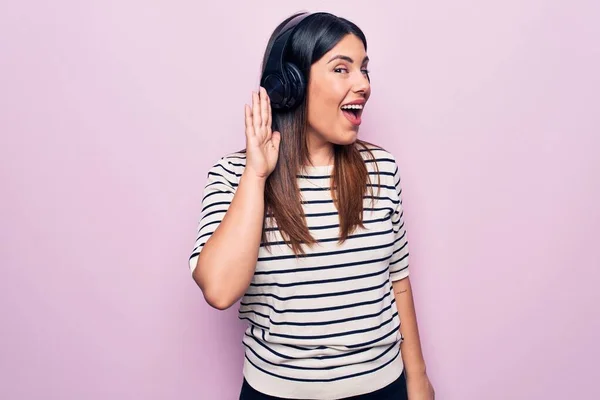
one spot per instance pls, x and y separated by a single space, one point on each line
324 325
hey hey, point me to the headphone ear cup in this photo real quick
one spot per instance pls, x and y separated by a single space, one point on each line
296 86
275 86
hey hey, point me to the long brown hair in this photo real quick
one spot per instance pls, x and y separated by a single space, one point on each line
317 34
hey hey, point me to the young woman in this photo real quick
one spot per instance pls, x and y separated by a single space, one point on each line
306 226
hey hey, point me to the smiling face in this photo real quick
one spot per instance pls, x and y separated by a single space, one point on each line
338 79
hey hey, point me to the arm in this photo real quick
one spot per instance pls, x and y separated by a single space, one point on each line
412 354
418 385
417 382
230 228
224 275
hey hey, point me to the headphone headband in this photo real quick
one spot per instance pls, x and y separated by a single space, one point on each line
275 60
283 82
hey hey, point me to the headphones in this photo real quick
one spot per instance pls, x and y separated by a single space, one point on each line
284 82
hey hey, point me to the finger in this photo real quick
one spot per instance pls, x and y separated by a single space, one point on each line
266 114
248 115
269 122
264 107
276 139
256 120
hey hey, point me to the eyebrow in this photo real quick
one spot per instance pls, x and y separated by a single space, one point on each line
346 58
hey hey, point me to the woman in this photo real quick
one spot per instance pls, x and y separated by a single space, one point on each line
306 226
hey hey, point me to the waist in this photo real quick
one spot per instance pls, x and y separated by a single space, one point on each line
321 372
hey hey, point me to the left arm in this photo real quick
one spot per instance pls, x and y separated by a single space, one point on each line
418 384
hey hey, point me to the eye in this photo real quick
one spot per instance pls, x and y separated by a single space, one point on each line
366 73
340 69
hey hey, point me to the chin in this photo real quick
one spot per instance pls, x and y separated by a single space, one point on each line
343 137
343 142
347 138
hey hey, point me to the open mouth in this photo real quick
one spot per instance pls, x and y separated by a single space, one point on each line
353 112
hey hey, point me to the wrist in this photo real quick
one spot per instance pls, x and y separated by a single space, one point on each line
252 178
415 370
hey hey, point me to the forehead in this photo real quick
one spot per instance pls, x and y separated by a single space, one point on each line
350 46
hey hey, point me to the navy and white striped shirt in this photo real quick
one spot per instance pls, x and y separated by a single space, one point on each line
324 325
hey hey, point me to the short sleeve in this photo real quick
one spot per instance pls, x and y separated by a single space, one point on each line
400 257
222 182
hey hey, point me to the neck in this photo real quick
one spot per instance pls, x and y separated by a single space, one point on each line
320 152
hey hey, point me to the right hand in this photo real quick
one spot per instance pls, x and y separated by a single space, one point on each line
262 145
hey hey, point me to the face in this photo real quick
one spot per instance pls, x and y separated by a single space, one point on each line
338 89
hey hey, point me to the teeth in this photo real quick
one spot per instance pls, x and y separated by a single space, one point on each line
352 107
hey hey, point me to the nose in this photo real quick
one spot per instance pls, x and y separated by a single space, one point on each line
361 83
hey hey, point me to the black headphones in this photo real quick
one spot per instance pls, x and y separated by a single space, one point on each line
284 82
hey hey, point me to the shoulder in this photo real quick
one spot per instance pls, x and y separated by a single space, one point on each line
233 162
228 168
377 157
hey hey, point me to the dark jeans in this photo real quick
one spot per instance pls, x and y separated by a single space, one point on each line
394 391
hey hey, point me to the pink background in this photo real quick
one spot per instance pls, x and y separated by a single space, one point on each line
111 113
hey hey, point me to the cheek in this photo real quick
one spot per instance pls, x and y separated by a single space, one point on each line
324 102
323 114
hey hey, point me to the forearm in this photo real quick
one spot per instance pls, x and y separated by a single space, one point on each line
227 262
412 354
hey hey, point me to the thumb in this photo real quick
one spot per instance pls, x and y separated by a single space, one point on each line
276 138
